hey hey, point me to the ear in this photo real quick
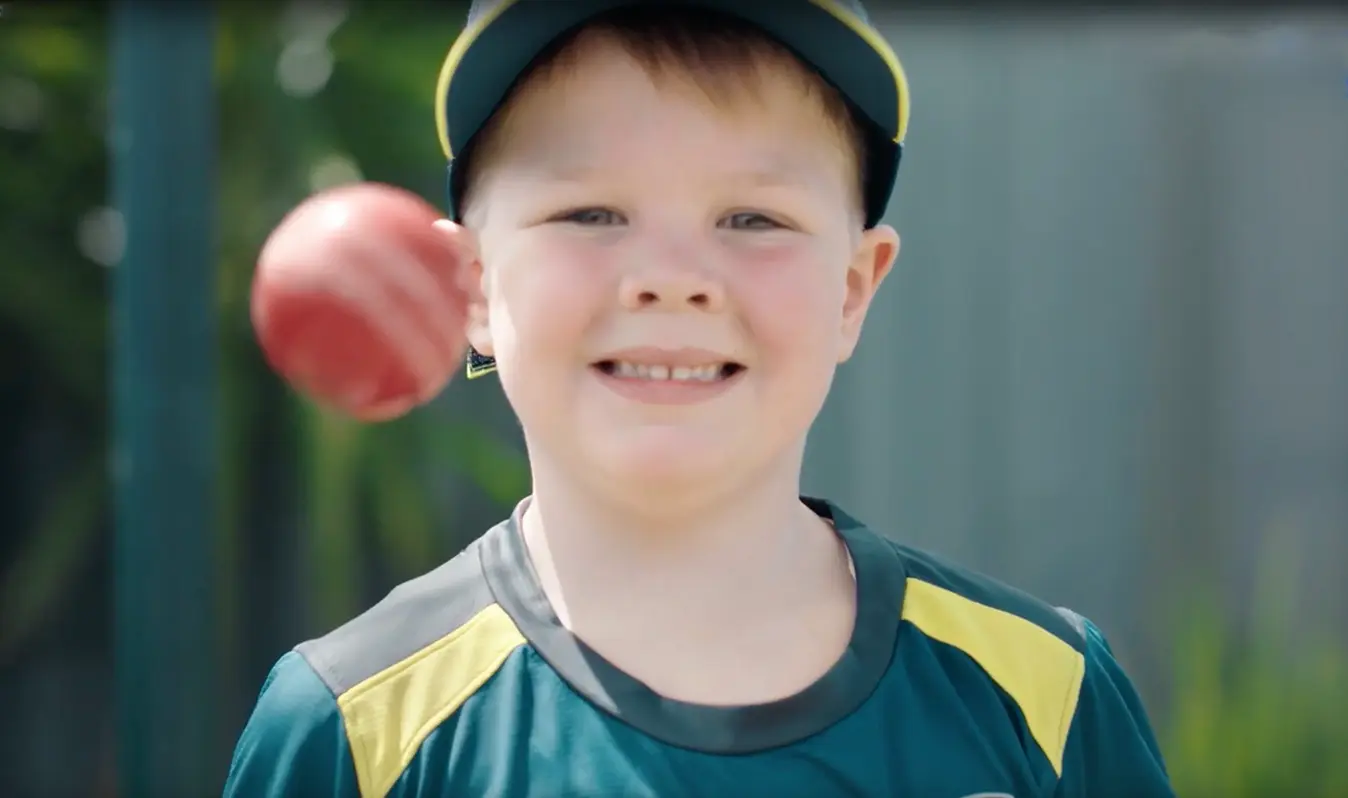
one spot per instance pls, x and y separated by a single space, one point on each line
471 280
871 263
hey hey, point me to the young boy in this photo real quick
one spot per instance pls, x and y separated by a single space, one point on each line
670 220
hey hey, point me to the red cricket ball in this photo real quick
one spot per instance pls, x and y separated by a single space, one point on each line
356 301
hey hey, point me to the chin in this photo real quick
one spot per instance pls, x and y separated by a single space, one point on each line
670 456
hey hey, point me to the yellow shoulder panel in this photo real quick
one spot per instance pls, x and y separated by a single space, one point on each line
389 715
1040 672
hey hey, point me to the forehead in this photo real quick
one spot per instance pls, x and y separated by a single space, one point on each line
599 96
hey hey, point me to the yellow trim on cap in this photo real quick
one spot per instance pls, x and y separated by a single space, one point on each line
839 12
881 47
456 53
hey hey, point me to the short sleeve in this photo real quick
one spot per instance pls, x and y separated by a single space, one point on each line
1111 749
295 743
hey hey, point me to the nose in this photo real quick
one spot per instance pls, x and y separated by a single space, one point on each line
671 287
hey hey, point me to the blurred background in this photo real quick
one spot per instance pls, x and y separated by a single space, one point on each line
1111 368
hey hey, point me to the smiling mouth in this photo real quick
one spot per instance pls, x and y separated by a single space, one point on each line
655 372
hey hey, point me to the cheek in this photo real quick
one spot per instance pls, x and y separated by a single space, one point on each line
792 304
545 297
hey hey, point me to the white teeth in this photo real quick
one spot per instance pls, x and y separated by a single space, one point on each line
642 371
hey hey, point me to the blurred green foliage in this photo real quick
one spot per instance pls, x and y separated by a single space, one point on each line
310 94
1256 718
53 309
1263 711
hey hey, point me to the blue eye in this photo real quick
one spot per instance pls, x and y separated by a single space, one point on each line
749 221
592 217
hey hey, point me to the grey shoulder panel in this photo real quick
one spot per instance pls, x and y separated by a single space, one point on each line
1076 620
414 615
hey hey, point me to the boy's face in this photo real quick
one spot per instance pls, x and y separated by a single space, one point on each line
630 228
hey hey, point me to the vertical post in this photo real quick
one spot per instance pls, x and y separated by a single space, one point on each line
164 414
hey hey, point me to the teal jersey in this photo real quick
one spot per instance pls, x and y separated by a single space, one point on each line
463 683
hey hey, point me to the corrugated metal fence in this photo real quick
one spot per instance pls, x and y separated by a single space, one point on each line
1113 358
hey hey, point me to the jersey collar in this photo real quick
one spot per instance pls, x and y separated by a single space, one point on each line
880 580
